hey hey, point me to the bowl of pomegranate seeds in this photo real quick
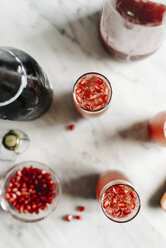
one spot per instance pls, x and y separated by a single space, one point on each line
92 94
29 191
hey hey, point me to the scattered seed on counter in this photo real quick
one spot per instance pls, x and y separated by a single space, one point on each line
71 127
68 217
80 208
78 217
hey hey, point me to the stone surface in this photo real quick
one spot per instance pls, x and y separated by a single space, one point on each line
62 36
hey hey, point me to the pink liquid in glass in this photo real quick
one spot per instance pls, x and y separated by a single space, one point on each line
117 196
92 94
157 129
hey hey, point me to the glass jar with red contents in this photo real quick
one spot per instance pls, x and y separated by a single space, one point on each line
92 94
29 191
25 92
157 128
117 196
132 29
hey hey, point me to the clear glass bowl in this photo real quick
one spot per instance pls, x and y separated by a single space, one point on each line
27 217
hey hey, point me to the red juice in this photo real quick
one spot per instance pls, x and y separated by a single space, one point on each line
119 200
157 129
132 29
92 94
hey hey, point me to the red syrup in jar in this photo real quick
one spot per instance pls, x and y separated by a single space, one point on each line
117 197
92 94
30 190
132 29
141 12
157 129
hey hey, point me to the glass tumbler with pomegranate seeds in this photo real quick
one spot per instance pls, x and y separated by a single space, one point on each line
92 94
116 194
29 191
157 128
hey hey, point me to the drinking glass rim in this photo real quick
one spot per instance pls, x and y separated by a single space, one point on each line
112 184
98 110
23 78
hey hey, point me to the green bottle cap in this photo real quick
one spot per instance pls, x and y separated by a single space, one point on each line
11 140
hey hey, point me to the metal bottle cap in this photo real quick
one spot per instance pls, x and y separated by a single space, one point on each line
11 140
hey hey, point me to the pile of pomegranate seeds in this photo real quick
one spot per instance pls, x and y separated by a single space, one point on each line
119 201
93 93
30 190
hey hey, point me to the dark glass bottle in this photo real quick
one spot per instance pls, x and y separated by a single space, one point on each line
25 92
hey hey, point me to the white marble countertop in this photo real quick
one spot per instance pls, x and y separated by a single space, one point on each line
62 36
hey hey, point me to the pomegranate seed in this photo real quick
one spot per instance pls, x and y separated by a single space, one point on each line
71 127
97 107
105 98
7 196
37 211
87 106
93 97
21 210
119 213
99 80
133 195
114 200
78 98
82 82
78 90
115 189
111 211
87 93
8 190
18 173
126 212
98 88
122 205
68 217
106 204
106 90
78 217
14 203
80 208
132 205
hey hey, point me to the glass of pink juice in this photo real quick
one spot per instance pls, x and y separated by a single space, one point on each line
92 94
157 128
118 199
132 29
